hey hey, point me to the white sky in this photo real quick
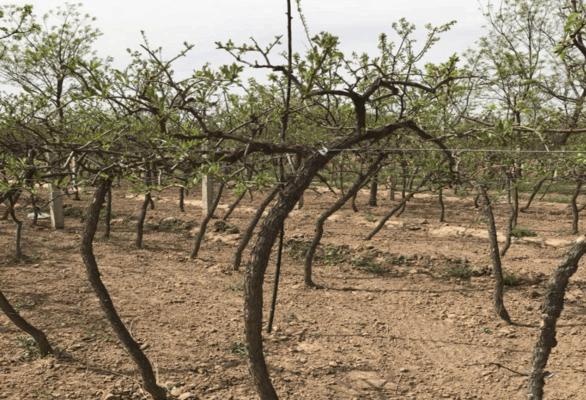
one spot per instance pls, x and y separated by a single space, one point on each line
202 22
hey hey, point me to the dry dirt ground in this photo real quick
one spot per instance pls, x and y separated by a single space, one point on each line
407 315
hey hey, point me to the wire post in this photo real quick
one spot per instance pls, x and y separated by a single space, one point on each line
284 126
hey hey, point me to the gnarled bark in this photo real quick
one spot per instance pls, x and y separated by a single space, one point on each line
575 209
551 311
138 242
108 216
93 274
499 304
256 269
39 336
247 235
319 225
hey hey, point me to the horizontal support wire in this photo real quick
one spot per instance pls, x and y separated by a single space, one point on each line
398 150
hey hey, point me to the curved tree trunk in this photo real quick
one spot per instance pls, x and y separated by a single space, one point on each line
398 208
354 206
551 310
39 336
536 190
233 206
499 304
319 225
255 272
247 235
93 274
256 269
204 222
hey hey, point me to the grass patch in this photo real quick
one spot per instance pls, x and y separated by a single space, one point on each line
461 272
462 269
370 217
239 349
511 279
328 254
520 232
368 263
28 347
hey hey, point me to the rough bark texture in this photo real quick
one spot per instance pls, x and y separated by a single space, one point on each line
372 200
319 225
93 274
277 279
512 222
247 235
255 271
39 336
575 209
18 232
108 216
551 310
499 305
182 199
204 223
138 242
392 188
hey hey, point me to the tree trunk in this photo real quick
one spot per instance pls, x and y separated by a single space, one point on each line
233 206
39 336
256 269
536 190
93 274
551 310
354 206
440 198
499 304
277 279
182 199
140 223
575 209
204 223
18 233
392 188
514 214
247 235
108 216
319 225
398 208
372 200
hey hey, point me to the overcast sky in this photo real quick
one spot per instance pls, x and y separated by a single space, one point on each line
202 22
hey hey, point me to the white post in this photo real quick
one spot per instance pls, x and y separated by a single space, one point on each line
207 194
56 207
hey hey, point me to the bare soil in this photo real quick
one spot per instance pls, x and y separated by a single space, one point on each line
407 315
